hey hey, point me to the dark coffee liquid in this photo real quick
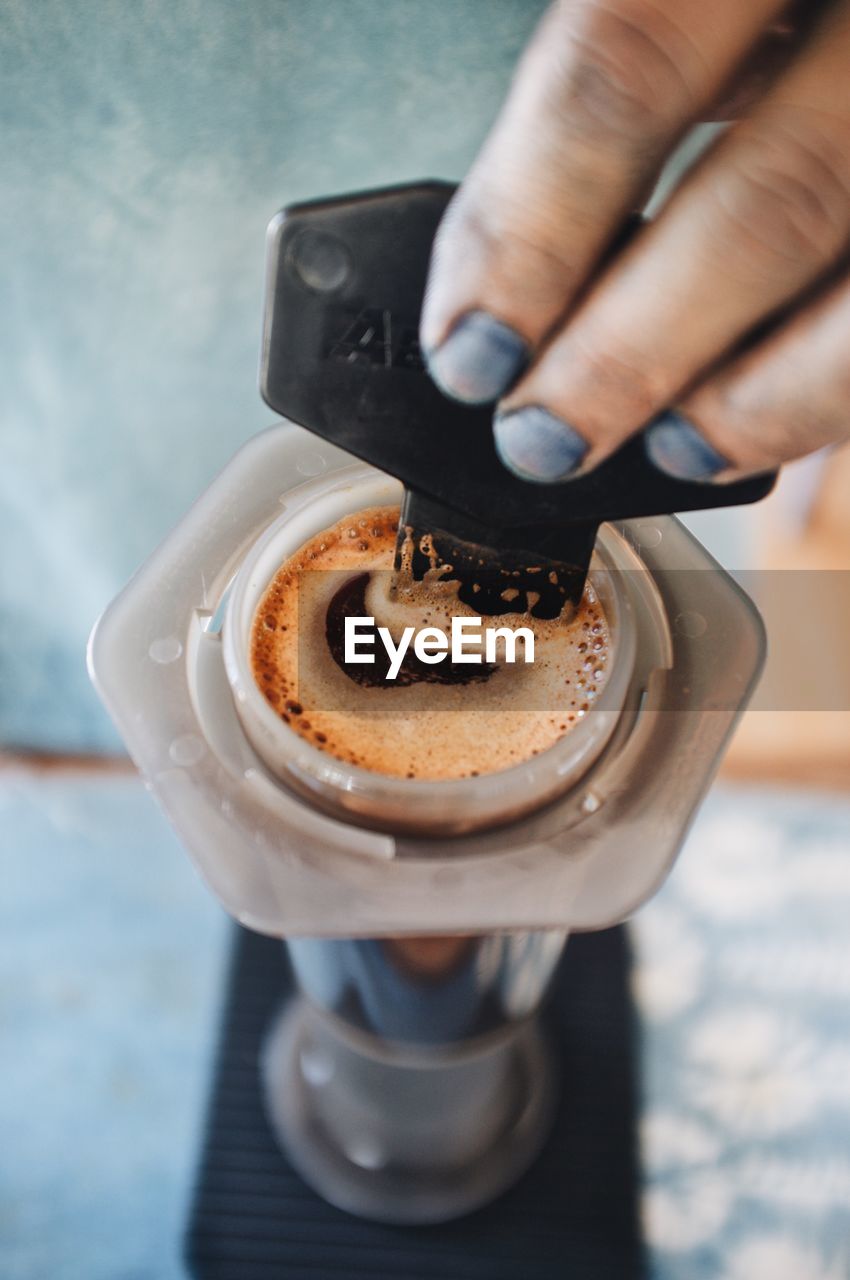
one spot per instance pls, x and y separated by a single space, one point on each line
435 720
350 602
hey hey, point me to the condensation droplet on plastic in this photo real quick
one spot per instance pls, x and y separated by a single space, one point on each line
311 464
691 624
164 650
187 750
591 802
366 1153
317 1068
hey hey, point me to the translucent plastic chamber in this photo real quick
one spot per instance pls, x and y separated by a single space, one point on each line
294 843
396 804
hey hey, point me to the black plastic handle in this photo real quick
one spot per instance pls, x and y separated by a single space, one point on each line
341 357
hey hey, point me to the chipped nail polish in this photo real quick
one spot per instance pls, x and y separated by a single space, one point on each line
537 445
479 360
674 446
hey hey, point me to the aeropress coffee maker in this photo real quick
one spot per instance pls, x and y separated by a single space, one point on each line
407 1077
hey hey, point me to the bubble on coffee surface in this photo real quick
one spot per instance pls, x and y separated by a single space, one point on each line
429 724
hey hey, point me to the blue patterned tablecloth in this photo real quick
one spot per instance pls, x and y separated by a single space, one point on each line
743 984
111 972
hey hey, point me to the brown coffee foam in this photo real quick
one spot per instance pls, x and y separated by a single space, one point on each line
425 731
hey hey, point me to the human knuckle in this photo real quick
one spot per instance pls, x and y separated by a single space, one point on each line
521 239
777 436
751 428
622 77
788 199
619 384
763 434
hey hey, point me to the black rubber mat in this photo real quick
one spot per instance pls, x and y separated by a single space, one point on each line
574 1216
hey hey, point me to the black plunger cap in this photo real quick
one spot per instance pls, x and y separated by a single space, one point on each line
344 288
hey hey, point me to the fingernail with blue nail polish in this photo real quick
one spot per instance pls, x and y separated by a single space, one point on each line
479 360
536 445
676 447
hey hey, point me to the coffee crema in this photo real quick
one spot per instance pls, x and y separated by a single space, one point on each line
438 721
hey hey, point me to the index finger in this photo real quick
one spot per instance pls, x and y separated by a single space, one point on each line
602 94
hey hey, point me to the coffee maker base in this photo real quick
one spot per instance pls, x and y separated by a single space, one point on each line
399 1137
577 1207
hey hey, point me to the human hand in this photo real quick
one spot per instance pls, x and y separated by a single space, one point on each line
723 326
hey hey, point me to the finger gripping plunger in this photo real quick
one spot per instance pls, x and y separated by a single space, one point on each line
341 357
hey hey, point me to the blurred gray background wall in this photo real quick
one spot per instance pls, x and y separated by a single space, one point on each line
144 146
